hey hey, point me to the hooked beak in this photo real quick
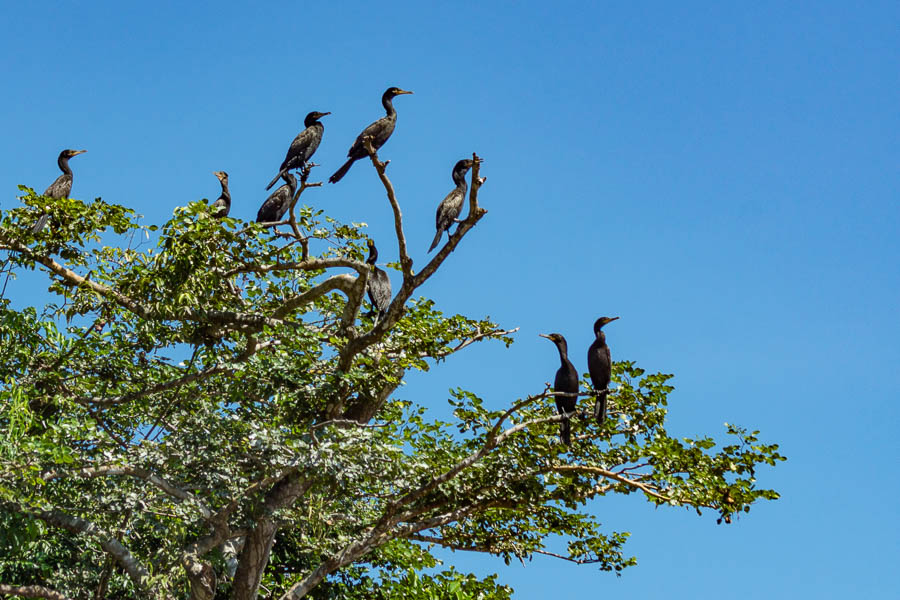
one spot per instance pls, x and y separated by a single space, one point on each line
401 92
544 335
611 319
323 114
79 152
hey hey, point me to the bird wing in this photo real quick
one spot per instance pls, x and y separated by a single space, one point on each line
449 209
379 131
61 187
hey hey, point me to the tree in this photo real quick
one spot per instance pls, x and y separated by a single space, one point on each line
213 417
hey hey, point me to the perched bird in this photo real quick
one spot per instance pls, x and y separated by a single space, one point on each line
451 206
379 131
303 146
379 284
600 367
61 188
222 205
566 381
276 205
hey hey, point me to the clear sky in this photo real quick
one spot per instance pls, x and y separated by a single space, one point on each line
722 176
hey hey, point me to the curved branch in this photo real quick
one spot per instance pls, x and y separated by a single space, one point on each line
135 570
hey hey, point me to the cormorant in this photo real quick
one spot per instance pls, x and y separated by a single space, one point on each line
379 131
303 146
276 205
379 284
222 205
451 206
600 367
566 381
61 188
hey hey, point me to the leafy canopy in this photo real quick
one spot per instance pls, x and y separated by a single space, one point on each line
214 415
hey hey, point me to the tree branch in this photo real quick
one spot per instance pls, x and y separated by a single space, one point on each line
405 261
31 591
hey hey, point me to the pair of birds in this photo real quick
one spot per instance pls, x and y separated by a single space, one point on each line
599 368
307 142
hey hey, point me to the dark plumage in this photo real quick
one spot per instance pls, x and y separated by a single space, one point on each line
600 367
61 187
303 146
379 131
451 205
276 205
379 284
566 381
221 207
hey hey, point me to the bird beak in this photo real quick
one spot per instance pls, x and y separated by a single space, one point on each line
323 114
611 319
79 152
544 335
403 92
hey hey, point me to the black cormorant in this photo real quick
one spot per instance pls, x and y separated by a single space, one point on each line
566 381
600 367
222 205
379 131
61 188
379 284
303 146
451 206
276 205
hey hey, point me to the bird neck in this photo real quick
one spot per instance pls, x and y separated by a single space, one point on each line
63 163
310 121
388 104
373 256
459 178
563 353
225 192
601 338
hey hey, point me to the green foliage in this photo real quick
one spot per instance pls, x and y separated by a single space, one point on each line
218 373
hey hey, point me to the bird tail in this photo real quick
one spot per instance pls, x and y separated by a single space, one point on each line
600 407
277 177
565 432
339 174
41 223
437 240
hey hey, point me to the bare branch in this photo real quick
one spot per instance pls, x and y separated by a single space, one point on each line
405 261
479 335
344 283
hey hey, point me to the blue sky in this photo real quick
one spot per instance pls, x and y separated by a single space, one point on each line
722 177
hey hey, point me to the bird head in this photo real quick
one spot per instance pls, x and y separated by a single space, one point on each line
556 338
463 165
373 251
599 323
71 153
222 176
313 117
395 91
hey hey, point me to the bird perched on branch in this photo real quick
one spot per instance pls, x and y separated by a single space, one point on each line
600 367
378 286
221 207
566 381
61 187
379 131
303 146
451 205
276 205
